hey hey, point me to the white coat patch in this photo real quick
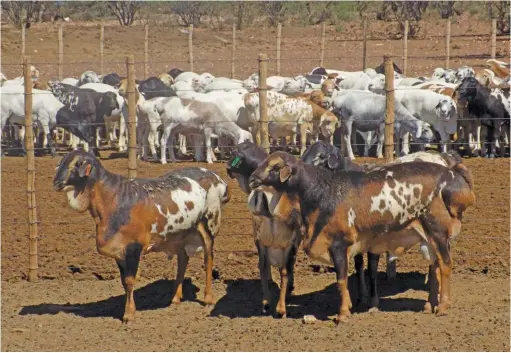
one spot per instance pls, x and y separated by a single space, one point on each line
452 174
351 217
197 195
389 174
403 200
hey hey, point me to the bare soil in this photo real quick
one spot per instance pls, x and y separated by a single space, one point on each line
77 302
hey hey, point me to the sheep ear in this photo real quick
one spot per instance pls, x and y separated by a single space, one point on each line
333 161
285 173
438 105
85 170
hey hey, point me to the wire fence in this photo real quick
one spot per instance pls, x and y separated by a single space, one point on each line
242 63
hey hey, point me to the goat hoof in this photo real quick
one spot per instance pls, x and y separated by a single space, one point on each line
441 310
127 318
373 310
281 311
344 318
208 299
280 315
428 308
266 308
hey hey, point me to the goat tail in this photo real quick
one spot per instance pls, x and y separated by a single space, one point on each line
455 155
458 194
460 169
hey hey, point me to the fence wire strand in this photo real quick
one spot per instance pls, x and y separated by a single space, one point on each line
179 40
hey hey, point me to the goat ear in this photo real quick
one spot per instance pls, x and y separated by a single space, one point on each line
85 170
285 173
438 105
137 82
333 161
418 134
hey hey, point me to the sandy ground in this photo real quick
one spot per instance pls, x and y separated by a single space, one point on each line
77 302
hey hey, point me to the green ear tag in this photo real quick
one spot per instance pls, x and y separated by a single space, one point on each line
236 162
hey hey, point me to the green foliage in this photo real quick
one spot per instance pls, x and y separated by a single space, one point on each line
85 11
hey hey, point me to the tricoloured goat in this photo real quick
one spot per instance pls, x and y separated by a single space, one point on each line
349 213
277 242
178 213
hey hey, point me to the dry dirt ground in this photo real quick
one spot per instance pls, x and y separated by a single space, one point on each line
77 302
78 299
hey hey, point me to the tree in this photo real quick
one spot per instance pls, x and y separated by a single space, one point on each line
125 11
189 12
408 10
500 11
447 8
318 12
20 12
275 11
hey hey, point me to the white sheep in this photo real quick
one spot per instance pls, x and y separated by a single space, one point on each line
44 109
71 81
187 116
88 77
365 111
439 110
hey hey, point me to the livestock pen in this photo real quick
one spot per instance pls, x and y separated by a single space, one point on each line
71 305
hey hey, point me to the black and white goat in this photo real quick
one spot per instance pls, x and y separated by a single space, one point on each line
84 110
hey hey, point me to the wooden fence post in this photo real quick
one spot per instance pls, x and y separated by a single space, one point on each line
389 112
233 48
61 53
263 95
31 199
493 38
364 48
322 53
132 125
101 49
405 49
23 43
279 36
190 46
389 132
146 51
448 44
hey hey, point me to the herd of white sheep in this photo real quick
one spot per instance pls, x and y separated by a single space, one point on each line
314 106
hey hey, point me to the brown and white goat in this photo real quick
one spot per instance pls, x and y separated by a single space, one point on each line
277 242
348 213
178 213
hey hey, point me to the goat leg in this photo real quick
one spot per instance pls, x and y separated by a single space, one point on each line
207 239
291 259
265 273
362 289
339 254
372 261
434 280
182 263
281 305
131 262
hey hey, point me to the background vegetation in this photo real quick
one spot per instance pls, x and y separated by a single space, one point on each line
220 14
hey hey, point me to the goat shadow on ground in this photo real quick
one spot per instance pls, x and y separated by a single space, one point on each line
243 297
156 295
